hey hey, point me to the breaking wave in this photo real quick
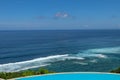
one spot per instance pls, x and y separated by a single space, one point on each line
39 62
45 61
99 52
92 55
105 50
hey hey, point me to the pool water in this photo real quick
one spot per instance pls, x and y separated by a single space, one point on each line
75 76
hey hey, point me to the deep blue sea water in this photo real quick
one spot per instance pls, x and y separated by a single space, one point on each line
60 50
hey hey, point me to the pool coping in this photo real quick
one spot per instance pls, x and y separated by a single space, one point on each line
66 73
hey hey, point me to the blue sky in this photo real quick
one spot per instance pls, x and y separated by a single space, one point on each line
59 14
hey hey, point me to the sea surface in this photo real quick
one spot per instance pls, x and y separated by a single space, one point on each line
60 50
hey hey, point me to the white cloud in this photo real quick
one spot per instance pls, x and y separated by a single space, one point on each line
62 15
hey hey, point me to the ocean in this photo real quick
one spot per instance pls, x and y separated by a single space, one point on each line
60 50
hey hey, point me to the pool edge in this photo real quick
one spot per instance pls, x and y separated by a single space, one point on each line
66 73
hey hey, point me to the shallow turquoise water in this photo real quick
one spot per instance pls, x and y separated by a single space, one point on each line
75 76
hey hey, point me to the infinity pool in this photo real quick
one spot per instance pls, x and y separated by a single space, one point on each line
75 76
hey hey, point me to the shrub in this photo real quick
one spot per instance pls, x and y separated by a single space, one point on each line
116 70
10 75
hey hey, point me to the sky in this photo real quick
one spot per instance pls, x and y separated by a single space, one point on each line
59 14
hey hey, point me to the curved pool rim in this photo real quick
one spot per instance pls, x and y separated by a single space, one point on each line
50 74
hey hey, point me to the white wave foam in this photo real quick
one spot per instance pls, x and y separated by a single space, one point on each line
44 61
81 63
91 55
105 50
39 62
100 52
17 66
30 67
79 58
93 61
98 55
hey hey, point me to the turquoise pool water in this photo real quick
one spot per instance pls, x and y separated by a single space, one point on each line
75 76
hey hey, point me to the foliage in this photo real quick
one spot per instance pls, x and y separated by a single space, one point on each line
116 70
10 75
43 71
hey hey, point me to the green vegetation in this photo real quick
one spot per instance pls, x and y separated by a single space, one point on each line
10 75
116 70
40 71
